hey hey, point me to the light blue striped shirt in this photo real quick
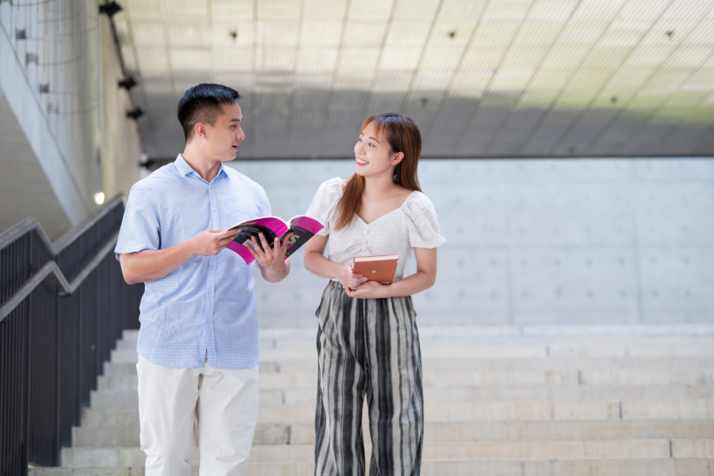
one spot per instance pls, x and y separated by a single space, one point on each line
205 308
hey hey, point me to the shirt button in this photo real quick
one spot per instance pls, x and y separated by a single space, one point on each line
366 232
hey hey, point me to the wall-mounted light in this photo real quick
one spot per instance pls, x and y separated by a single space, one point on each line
135 113
31 58
111 9
99 198
128 83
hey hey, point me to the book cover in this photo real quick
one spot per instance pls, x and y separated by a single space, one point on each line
303 228
376 268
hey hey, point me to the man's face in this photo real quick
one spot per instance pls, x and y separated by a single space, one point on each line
225 136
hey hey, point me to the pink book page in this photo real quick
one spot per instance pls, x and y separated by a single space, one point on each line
307 223
242 251
271 227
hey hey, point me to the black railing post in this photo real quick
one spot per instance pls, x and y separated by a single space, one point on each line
36 314
58 384
26 395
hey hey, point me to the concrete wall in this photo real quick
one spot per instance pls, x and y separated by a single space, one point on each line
537 241
63 113
119 143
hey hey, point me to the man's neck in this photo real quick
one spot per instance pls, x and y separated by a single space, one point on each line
203 165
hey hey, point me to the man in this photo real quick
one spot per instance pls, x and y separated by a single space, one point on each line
198 343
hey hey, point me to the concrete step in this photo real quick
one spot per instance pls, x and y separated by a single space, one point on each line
573 449
439 432
593 410
511 365
273 393
128 436
532 467
495 410
520 365
556 342
648 348
539 393
277 395
558 331
117 375
486 378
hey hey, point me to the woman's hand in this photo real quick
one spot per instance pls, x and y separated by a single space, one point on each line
348 279
369 290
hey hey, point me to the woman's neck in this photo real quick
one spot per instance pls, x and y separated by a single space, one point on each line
379 186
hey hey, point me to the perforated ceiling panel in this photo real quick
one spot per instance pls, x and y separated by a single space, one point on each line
515 78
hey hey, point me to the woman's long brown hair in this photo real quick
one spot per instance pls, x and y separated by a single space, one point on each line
403 136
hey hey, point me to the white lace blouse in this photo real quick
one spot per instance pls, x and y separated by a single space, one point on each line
413 225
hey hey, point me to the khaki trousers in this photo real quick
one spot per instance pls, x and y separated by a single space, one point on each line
208 409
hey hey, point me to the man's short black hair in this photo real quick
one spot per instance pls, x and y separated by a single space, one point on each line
202 103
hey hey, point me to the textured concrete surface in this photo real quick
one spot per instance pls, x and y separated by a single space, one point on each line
534 242
576 412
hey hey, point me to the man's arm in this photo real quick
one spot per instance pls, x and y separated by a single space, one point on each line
148 265
273 265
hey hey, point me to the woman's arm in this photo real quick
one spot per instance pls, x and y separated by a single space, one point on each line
317 264
422 280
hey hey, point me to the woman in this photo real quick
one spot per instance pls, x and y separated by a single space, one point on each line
367 341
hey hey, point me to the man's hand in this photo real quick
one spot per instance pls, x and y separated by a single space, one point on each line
270 259
211 242
348 279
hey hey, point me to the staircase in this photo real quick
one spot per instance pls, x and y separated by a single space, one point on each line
526 401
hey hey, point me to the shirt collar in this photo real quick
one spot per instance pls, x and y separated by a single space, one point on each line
185 169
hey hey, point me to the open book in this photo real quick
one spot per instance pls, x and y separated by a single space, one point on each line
303 228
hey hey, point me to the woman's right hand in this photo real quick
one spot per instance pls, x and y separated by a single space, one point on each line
348 279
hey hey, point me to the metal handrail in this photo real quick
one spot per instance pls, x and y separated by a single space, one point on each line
51 267
30 223
75 232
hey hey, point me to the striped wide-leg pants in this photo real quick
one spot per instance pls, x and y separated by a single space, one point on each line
368 348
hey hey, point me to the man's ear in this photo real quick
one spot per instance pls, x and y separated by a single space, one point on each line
398 157
201 130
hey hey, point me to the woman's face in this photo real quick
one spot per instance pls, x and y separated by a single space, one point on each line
373 154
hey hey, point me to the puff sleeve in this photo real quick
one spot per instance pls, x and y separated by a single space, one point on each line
420 218
323 205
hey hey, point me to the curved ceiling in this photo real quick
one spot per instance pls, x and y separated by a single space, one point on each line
482 78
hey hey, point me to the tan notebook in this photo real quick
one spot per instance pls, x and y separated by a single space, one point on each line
376 268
